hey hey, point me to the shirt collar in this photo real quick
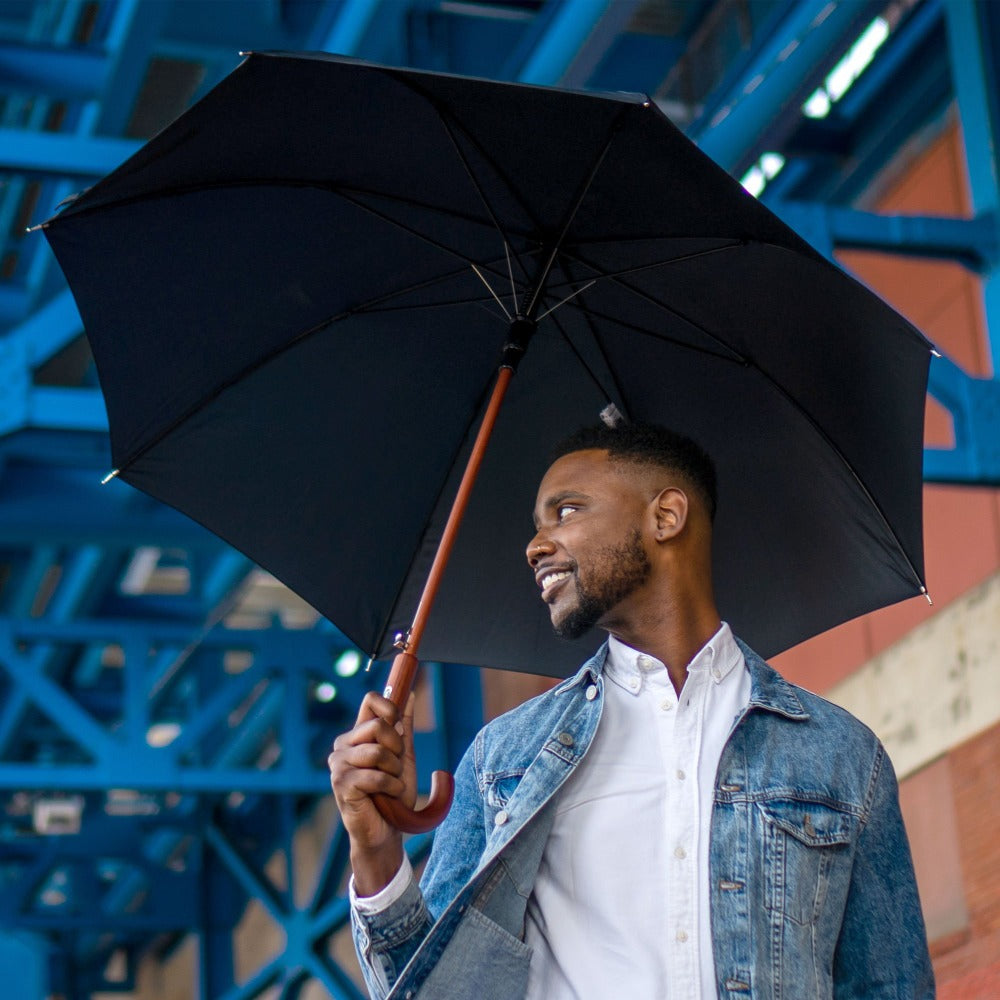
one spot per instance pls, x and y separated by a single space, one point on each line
714 661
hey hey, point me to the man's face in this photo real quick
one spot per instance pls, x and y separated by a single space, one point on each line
588 555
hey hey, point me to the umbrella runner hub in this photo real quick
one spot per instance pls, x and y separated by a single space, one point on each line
518 337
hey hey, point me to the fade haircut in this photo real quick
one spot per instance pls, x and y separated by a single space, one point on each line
649 444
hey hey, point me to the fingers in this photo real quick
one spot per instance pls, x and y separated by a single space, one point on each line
375 706
376 755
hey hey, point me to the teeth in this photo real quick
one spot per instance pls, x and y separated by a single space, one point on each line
551 578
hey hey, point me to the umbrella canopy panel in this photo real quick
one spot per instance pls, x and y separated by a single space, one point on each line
286 296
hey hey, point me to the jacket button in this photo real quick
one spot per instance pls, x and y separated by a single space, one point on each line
501 817
566 739
591 692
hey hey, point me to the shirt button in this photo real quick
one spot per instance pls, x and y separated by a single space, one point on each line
667 705
645 663
716 673
501 817
566 739
680 775
633 683
591 692
682 936
679 852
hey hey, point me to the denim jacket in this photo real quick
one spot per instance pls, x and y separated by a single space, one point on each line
812 887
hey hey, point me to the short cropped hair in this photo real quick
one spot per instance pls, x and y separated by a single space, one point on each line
649 444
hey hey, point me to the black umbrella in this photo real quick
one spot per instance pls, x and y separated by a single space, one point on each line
298 294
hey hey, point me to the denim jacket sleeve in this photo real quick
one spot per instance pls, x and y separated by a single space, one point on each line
880 956
386 941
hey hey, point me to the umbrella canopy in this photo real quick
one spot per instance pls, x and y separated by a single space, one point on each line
297 295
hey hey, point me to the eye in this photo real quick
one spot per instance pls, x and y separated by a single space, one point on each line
563 510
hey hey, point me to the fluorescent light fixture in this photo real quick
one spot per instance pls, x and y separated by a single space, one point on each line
325 692
843 76
754 180
859 55
348 663
771 164
818 105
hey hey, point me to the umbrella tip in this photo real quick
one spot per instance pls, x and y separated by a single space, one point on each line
612 416
111 475
923 590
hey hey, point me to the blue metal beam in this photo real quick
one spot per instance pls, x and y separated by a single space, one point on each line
564 36
793 57
972 242
353 19
62 155
974 404
46 70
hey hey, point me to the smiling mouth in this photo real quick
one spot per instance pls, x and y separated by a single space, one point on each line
551 580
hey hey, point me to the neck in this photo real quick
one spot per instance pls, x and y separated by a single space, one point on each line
674 633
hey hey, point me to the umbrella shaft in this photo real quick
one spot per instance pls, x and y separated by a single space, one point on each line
458 509
404 666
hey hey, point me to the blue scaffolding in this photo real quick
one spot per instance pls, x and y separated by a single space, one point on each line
163 726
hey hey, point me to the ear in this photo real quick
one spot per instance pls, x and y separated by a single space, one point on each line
670 511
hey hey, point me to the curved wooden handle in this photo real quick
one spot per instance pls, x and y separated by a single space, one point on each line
419 820
397 690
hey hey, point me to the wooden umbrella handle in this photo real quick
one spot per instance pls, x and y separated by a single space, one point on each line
397 690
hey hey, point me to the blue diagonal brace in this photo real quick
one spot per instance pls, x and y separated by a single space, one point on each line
352 22
256 887
565 34
52 701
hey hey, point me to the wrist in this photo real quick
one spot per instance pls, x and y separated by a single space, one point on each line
375 868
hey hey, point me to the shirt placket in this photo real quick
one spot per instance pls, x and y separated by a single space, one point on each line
681 741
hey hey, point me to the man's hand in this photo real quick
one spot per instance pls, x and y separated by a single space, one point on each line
375 756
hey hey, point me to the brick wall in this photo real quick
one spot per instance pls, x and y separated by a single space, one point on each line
968 962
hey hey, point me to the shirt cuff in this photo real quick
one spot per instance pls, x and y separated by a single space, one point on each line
384 898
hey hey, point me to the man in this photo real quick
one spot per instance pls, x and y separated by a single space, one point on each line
674 821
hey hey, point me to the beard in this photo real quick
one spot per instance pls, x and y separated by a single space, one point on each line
621 569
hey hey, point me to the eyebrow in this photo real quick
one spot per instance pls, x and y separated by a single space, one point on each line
550 503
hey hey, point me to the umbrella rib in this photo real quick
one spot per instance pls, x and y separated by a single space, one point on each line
448 120
586 367
475 182
657 335
835 448
594 333
330 188
364 308
647 267
557 244
736 356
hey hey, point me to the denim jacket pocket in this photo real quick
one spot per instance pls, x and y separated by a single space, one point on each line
482 960
806 845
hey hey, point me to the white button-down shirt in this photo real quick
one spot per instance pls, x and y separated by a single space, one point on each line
621 903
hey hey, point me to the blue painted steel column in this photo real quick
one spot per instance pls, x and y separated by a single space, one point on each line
973 37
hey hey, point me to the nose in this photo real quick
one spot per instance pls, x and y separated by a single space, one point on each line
538 546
